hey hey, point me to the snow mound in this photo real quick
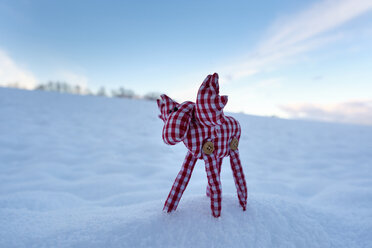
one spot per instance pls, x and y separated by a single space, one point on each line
94 172
267 222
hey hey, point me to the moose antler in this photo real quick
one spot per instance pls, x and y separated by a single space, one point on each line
209 104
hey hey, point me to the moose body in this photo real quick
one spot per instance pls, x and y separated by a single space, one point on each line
207 134
220 135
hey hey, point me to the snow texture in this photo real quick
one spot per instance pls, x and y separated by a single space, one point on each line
84 171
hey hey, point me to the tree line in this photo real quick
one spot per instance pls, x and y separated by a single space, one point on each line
120 92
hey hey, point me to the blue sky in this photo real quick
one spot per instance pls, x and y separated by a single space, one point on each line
300 59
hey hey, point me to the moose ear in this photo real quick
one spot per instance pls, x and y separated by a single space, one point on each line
160 106
160 103
178 123
164 97
165 105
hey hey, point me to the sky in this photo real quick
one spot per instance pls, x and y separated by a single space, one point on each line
291 59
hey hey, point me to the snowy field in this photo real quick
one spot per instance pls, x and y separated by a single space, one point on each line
84 171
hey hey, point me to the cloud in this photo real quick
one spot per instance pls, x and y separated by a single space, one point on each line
299 33
13 74
358 111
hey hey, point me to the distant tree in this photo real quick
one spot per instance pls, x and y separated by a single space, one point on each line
62 87
50 86
58 86
77 90
123 93
40 87
152 96
87 91
114 93
101 91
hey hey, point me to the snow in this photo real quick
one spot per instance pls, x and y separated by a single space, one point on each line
84 171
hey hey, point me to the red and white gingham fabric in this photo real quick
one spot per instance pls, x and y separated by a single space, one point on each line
209 103
194 124
177 123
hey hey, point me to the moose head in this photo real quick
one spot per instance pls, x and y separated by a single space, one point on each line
176 117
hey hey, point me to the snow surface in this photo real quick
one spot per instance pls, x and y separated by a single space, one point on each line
94 172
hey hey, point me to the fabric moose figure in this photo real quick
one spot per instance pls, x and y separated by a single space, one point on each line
207 134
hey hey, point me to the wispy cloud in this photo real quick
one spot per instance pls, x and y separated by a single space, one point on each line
299 33
358 111
13 74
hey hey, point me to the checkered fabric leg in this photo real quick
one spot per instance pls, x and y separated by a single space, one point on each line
219 163
180 183
239 178
214 182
